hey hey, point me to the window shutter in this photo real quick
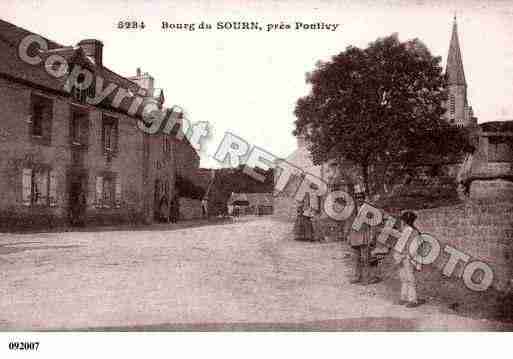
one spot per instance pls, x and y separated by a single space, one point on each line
103 135
53 188
118 192
99 190
42 186
26 186
115 137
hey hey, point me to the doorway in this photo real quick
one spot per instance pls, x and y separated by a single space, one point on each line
77 198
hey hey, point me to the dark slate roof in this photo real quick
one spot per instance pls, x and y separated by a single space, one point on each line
454 71
35 75
14 68
11 65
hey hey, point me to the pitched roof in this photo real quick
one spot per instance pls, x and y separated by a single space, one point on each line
12 66
454 70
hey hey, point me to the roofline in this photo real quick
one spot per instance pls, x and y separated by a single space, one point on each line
32 32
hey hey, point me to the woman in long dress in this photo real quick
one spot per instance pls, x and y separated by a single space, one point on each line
303 228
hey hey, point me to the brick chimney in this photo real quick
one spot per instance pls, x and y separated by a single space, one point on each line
94 49
144 80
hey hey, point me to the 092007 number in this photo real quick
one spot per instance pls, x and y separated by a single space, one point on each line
23 345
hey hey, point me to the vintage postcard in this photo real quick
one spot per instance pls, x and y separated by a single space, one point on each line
255 166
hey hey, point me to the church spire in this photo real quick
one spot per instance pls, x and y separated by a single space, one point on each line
454 70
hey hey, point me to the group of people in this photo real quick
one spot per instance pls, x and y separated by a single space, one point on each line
366 254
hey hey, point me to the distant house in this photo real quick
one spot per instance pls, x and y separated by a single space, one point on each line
252 203
219 184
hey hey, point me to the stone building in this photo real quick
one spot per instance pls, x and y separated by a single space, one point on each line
68 160
189 189
487 174
63 159
160 166
259 204
172 167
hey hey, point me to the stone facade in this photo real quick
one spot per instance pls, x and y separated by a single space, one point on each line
65 161
187 166
170 156
483 232
487 174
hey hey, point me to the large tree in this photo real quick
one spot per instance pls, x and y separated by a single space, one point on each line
380 108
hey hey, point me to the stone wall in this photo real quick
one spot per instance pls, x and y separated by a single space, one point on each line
491 189
485 233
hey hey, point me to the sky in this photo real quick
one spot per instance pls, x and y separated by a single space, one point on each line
247 82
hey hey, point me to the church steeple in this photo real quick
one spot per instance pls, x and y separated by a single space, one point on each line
454 69
458 110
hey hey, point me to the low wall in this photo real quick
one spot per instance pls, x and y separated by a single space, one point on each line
491 189
485 233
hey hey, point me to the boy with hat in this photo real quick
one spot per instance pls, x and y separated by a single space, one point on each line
360 242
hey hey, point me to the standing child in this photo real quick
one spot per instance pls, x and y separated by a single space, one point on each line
407 266
360 243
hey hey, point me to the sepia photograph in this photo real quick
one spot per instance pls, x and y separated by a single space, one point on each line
253 166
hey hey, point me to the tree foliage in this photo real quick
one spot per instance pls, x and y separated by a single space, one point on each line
378 107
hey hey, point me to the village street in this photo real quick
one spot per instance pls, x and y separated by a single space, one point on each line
248 275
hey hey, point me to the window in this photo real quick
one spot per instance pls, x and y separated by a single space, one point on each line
452 105
108 191
79 126
39 187
41 118
81 95
109 134
166 144
157 191
37 120
435 170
